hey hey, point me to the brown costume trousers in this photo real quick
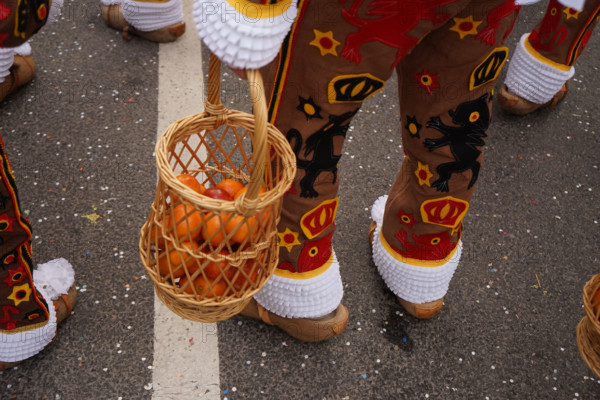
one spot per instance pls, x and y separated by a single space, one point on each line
447 55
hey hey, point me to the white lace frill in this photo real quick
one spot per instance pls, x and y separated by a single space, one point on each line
412 283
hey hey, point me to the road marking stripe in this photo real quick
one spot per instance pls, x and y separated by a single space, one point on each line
186 356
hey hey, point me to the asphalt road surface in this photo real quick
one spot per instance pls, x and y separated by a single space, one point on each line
81 139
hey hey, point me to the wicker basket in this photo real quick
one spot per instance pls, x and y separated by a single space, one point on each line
588 329
206 256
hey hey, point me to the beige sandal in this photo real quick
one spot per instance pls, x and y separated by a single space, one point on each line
113 17
422 310
21 73
304 329
517 105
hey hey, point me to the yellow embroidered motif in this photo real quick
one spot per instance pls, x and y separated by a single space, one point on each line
325 42
353 88
20 293
423 174
571 13
465 26
314 222
489 69
288 239
446 211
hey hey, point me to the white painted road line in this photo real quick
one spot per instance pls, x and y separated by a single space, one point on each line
186 356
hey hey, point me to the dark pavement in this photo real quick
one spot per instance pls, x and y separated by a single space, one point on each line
81 139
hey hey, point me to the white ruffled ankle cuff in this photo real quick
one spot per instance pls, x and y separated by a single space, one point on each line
54 277
533 77
23 50
7 59
148 17
412 283
243 35
25 344
303 298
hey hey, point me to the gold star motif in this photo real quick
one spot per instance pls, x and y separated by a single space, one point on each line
288 239
20 293
423 174
465 26
325 42
571 13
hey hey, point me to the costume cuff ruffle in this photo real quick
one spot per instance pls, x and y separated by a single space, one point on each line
303 298
54 277
534 77
243 34
7 59
149 16
24 344
576 4
412 283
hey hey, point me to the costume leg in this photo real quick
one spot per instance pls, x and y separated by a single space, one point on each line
445 103
27 314
335 57
543 60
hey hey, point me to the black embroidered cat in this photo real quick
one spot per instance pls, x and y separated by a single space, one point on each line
321 145
473 119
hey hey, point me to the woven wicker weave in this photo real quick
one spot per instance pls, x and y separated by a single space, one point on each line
184 225
588 329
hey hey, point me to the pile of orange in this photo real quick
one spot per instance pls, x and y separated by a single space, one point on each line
196 231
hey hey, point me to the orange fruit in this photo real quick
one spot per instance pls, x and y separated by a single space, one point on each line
245 189
231 186
178 261
191 182
246 275
157 235
266 215
187 222
214 229
214 269
204 287
245 230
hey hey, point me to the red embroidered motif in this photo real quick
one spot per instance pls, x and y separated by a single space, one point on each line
15 276
9 324
396 18
426 80
286 266
435 246
4 11
406 218
488 35
6 223
550 34
315 253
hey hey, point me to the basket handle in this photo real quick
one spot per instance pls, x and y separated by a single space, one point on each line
214 107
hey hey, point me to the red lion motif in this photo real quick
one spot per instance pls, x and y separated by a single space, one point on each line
488 35
430 247
549 35
396 18
314 254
